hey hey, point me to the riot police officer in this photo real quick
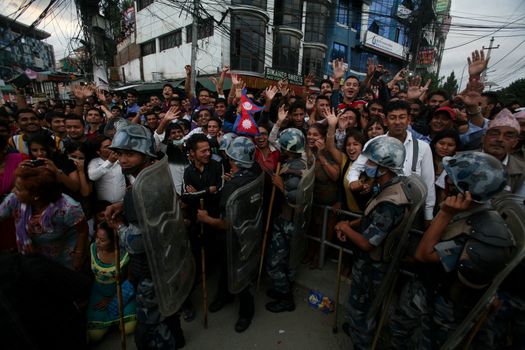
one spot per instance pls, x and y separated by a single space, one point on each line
134 144
280 269
378 227
236 216
465 247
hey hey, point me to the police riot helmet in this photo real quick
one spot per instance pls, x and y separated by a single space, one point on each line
134 137
479 173
242 151
292 140
225 141
387 152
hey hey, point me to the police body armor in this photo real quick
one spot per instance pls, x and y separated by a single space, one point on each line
395 194
244 213
511 226
168 251
302 212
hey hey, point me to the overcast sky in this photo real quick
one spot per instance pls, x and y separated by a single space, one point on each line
63 25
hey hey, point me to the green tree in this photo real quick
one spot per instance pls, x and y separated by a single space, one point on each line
435 83
451 84
515 91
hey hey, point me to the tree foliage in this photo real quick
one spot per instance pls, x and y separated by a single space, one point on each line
514 92
451 84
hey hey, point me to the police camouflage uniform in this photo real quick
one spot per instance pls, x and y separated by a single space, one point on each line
282 275
368 273
509 319
240 150
291 140
443 294
153 331
379 225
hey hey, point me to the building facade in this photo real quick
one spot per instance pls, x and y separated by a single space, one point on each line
22 47
293 37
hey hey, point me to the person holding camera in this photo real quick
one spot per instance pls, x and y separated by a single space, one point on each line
48 222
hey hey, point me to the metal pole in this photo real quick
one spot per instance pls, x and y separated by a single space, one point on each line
194 44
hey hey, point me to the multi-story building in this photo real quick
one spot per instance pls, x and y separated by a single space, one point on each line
292 37
21 47
249 35
369 29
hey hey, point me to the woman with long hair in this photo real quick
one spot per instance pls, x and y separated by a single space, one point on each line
102 310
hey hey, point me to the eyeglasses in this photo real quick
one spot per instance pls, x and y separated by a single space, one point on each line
509 135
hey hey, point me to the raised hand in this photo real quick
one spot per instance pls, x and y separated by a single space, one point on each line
330 117
172 113
270 92
400 75
282 115
309 80
225 70
415 91
101 96
370 67
188 69
235 79
338 69
477 64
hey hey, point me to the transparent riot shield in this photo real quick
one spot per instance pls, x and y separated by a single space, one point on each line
512 210
302 215
166 242
244 213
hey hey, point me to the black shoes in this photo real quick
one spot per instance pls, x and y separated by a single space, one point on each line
346 329
242 324
219 303
281 305
273 294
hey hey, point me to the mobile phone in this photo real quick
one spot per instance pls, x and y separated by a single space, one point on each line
37 162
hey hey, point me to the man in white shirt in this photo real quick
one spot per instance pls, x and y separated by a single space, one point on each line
105 172
418 158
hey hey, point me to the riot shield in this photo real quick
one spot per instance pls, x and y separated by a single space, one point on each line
244 213
302 215
416 192
166 242
512 210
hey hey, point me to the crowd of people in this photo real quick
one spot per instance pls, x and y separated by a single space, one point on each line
67 170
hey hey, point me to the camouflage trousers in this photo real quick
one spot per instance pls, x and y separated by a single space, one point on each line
366 279
153 331
278 261
409 324
508 321
436 313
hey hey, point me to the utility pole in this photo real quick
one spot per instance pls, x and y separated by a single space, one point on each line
420 19
489 49
194 46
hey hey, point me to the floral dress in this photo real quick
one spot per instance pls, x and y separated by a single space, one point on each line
105 286
53 233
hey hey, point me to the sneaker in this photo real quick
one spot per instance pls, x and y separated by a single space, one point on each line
280 306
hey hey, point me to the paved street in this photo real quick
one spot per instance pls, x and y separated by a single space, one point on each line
303 329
